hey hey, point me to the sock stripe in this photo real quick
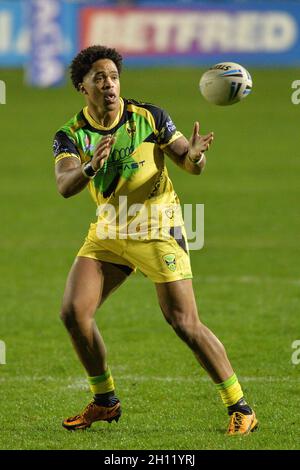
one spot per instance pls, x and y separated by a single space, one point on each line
227 383
99 378
101 384
230 391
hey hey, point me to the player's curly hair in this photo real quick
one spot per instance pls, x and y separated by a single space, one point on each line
82 63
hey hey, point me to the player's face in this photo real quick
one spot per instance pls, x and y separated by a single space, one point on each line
102 85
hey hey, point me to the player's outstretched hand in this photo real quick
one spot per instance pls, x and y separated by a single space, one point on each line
102 152
199 144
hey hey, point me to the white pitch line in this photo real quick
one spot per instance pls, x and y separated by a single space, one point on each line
81 384
78 382
246 279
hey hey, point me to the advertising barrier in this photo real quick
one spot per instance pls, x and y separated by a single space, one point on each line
259 35
262 34
29 27
14 34
45 66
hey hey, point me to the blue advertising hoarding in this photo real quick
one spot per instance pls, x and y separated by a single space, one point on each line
256 33
14 34
19 33
45 65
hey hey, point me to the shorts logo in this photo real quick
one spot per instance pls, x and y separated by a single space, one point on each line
170 261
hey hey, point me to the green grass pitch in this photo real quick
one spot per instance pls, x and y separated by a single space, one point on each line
246 276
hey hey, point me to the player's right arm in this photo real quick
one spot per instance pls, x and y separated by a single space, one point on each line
70 177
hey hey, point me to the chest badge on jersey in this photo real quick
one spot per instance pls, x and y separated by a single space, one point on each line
131 128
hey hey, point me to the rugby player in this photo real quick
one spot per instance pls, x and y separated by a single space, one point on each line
116 147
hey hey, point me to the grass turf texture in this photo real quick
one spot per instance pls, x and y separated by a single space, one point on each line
246 277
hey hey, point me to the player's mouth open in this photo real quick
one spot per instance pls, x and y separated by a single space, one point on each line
110 98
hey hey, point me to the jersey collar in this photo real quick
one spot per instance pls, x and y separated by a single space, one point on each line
96 124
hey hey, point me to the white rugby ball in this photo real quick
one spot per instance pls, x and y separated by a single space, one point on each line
225 83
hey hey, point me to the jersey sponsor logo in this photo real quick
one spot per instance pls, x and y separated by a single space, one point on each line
120 163
121 160
121 155
119 167
170 260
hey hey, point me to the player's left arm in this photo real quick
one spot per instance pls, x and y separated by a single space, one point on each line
189 154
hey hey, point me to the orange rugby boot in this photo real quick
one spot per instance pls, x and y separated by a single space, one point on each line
242 424
92 413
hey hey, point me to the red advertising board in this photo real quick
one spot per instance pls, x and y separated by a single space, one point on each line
147 32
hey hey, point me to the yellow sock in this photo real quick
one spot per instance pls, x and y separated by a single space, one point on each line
103 383
230 391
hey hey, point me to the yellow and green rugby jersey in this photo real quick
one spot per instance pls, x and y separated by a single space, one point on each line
135 167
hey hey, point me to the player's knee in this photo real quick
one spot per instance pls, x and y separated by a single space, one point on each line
73 313
183 322
68 316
